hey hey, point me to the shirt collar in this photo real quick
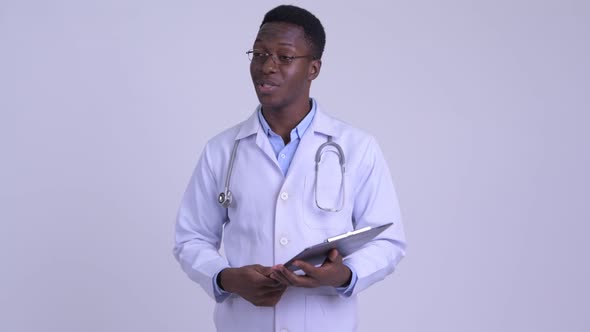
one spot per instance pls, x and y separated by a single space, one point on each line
298 131
319 122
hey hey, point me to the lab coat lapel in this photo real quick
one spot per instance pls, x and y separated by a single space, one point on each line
252 127
324 124
264 144
320 128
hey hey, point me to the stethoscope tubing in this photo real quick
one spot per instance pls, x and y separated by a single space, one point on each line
231 164
225 198
318 160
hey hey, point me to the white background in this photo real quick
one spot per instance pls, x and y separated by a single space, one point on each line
481 107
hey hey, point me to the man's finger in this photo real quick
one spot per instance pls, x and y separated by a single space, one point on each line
264 270
334 256
274 291
267 282
299 281
279 277
309 269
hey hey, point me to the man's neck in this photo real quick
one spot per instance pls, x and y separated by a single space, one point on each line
282 121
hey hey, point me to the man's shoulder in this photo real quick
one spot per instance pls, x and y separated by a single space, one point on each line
344 129
229 135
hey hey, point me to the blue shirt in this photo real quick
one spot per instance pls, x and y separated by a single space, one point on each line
284 154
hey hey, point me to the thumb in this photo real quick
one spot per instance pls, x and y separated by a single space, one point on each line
334 255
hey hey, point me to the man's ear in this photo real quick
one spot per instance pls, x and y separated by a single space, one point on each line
314 69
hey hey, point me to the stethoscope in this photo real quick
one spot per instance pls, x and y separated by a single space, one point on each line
225 198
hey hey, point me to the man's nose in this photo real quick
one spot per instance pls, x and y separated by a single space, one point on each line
269 66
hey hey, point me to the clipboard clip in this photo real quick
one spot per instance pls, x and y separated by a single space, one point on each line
347 234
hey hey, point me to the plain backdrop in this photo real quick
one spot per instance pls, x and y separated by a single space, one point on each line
481 108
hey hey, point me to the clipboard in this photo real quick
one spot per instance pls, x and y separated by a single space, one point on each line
346 244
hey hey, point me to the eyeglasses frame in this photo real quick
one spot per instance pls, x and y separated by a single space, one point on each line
277 62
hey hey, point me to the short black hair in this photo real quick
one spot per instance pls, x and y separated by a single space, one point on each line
312 27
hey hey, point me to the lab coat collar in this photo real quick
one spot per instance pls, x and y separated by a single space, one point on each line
325 124
322 123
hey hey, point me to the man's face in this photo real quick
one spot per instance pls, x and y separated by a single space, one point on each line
280 85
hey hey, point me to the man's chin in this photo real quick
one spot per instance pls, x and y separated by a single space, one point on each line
267 102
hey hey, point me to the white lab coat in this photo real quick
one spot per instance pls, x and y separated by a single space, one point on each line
273 217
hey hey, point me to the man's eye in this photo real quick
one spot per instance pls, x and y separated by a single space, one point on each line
284 57
257 54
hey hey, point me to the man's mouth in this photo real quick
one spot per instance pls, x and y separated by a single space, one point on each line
265 86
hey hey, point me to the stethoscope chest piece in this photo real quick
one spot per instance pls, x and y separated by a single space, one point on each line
225 198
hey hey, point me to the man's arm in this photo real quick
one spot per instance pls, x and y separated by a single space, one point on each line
199 228
375 204
252 282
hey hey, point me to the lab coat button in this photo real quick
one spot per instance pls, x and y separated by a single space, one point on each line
284 241
284 196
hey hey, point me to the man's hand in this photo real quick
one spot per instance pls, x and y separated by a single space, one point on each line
331 273
252 283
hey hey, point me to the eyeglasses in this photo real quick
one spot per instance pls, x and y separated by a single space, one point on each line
259 57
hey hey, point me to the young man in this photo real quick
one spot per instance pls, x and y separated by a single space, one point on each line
274 202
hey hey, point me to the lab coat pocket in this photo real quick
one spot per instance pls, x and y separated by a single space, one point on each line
316 213
330 313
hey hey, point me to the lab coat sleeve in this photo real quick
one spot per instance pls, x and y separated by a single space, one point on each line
346 291
199 227
375 203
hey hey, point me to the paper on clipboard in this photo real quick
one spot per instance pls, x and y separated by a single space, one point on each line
346 244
